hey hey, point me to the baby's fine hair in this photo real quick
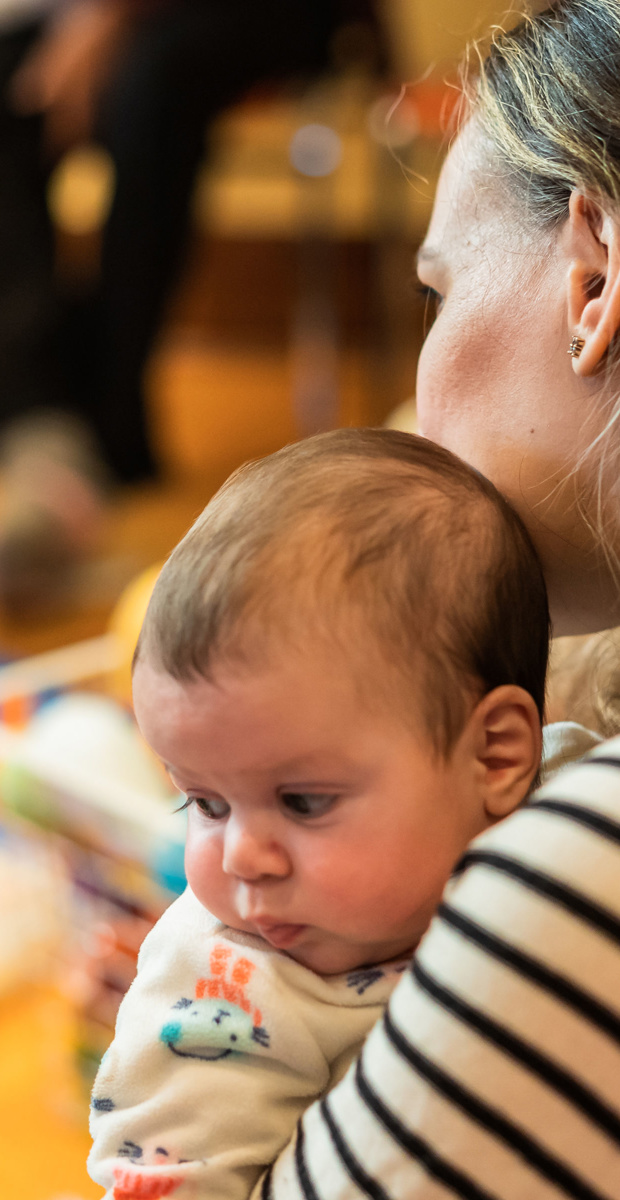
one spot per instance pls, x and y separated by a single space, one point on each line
378 545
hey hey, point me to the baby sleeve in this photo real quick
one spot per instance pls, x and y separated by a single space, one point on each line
220 1046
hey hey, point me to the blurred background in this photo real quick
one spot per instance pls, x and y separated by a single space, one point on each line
209 212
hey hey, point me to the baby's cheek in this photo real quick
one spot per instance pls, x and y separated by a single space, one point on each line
372 894
344 892
203 868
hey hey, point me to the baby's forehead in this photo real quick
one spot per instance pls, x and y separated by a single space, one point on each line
297 708
153 686
296 718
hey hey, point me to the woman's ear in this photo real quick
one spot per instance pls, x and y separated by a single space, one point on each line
508 746
593 248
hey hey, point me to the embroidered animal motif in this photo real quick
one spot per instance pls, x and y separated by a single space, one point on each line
221 1019
138 1182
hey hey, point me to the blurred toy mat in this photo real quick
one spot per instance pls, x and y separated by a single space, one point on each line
91 852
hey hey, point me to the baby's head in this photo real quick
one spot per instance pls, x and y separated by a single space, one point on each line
343 667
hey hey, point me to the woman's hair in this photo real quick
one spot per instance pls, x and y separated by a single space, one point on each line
584 682
547 95
546 98
390 552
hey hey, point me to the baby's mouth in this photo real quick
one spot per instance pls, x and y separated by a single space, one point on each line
279 934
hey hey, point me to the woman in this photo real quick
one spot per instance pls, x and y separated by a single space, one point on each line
496 1072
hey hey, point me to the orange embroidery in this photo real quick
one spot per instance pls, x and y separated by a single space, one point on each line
135 1185
218 987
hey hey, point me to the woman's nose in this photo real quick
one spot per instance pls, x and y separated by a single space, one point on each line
252 854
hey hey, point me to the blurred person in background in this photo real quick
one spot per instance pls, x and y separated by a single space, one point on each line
144 78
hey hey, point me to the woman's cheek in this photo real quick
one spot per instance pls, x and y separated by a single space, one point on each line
428 402
439 396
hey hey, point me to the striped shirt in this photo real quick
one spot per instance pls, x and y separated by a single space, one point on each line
495 1073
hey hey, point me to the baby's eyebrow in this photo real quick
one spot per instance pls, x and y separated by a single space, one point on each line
171 772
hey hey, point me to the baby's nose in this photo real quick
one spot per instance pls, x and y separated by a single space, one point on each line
250 855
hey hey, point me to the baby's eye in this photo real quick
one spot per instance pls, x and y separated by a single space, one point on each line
308 804
213 809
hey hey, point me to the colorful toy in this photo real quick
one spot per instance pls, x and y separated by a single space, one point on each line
125 625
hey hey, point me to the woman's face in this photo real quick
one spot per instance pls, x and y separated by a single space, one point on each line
495 382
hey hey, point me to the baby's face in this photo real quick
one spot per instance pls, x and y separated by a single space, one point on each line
324 827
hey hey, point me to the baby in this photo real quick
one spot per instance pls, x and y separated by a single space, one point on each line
343 668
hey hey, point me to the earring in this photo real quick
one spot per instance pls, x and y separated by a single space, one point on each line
576 346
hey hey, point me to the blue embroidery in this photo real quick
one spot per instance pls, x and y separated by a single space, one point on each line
364 978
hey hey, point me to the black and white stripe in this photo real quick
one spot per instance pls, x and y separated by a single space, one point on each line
419 1095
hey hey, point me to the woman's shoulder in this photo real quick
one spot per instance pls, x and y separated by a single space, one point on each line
565 742
585 793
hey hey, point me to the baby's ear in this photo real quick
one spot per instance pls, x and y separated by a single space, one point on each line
508 742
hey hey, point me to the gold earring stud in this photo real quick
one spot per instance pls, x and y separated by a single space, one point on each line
576 346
